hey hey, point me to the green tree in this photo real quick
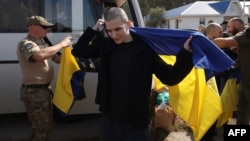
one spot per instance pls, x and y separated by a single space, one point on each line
156 17
144 7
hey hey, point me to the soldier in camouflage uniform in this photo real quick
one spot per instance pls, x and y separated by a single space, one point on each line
35 59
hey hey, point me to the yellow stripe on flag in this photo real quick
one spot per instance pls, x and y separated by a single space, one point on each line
63 94
158 85
196 101
229 101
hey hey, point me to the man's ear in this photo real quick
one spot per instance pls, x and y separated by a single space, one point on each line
130 23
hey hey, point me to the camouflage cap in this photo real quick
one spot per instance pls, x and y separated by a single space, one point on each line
38 20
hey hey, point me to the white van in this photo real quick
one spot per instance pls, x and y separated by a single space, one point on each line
71 17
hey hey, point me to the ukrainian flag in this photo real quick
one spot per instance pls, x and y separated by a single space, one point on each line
206 55
196 99
69 83
229 97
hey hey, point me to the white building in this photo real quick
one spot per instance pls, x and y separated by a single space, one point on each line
246 8
190 16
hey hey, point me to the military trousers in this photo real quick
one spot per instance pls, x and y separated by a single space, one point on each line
38 104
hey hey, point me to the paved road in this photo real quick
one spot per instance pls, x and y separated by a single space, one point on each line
16 127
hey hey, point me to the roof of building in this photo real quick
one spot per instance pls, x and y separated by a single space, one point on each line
200 8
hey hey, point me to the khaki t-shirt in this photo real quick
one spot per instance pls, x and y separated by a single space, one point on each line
34 72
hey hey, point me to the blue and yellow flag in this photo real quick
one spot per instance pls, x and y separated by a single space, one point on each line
229 98
69 85
196 99
206 55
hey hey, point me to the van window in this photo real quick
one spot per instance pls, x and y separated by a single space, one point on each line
59 13
67 15
14 14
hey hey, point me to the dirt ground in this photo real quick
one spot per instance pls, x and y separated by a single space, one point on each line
182 132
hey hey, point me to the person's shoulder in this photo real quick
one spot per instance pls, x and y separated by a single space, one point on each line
27 43
28 38
248 32
241 34
140 43
137 38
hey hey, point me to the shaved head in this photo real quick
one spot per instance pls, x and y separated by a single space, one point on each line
115 12
214 30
